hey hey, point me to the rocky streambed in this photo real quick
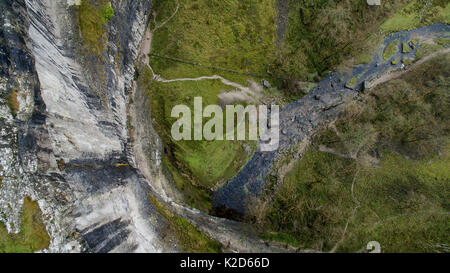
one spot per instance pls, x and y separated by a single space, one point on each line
301 119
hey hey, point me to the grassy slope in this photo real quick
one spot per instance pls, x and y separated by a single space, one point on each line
230 34
190 238
32 236
324 33
234 35
404 118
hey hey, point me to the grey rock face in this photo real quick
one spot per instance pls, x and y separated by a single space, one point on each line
97 194
26 160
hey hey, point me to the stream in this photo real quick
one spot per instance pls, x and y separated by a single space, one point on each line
300 119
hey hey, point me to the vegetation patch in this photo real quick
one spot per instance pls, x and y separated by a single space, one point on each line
395 61
405 48
13 102
237 35
191 239
418 13
304 211
351 83
32 236
382 168
442 41
196 166
407 61
390 50
414 42
93 15
426 49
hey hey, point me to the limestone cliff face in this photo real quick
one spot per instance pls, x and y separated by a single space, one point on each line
68 146
65 142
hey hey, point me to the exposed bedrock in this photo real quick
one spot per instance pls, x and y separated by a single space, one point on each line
68 146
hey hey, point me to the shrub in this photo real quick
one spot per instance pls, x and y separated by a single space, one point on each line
13 102
107 12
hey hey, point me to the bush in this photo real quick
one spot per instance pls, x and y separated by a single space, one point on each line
108 12
13 102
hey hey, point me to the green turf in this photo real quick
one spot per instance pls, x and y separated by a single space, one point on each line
233 34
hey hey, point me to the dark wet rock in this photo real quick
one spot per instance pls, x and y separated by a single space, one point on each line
61 119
